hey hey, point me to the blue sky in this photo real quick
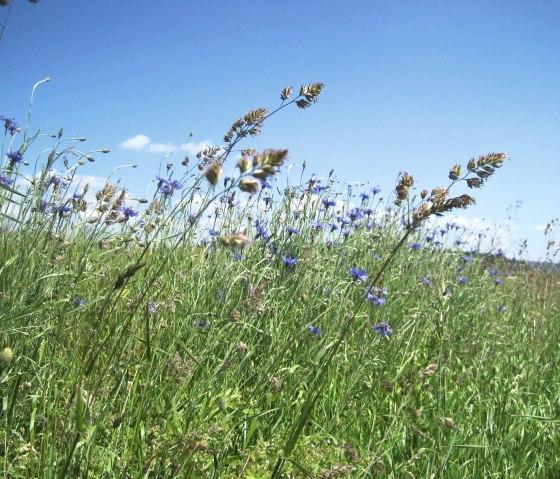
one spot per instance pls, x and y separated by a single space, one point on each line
410 85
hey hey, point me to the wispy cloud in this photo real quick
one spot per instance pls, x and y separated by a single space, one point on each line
138 142
144 143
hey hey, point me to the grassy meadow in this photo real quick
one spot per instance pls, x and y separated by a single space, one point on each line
245 327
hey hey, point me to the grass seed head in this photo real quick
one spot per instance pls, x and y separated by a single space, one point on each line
6 356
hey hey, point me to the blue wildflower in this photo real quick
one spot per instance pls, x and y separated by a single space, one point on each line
501 308
201 324
289 261
364 196
497 281
462 280
376 296
315 330
128 212
493 272
261 232
375 190
292 231
152 307
326 202
10 124
355 214
383 329
317 225
414 245
213 232
168 186
15 156
78 301
425 281
5 181
467 259
358 274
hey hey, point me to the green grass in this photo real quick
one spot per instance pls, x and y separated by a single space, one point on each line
221 376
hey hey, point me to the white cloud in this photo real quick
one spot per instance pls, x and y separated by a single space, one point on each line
144 143
138 142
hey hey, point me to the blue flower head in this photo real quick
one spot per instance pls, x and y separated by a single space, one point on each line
167 186
15 156
128 212
383 329
358 274
289 261
315 330
462 280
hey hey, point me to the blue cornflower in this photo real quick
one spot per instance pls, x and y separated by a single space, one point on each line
429 238
358 274
364 196
10 124
497 281
128 212
44 207
415 246
62 211
425 281
152 307
201 324
289 261
501 308
383 329
15 156
318 189
56 181
355 214
375 190
213 232
78 301
376 296
265 184
261 232
499 253
5 181
76 197
462 280
493 272
317 225
326 202
467 259
343 221
168 186
291 230
315 330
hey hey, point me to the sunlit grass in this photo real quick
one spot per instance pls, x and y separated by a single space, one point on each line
142 338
